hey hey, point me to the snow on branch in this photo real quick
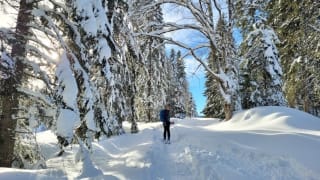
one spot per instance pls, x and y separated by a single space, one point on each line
35 51
191 51
198 14
37 96
169 27
6 34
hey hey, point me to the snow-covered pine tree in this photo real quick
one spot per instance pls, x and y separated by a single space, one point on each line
247 12
91 65
214 102
299 50
176 89
226 56
35 89
171 66
181 91
191 107
178 95
151 95
129 53
6 145
184 104
261 71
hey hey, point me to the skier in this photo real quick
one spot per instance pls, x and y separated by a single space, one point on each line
165 118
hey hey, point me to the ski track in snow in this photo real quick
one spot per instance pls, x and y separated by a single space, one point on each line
183 160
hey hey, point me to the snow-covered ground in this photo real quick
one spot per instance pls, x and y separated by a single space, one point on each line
261 143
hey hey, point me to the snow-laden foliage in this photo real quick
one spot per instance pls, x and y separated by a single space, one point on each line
261 69
150 81
214 102
226 56
297 25
247 12
6 66
129 54
94 90
178 95
68 116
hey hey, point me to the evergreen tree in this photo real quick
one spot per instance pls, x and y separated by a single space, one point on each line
214 105
261 69
172 81
91 67
9 93
297 24
191 107
248 12
151 84
179 96
181 90
227 57
130 55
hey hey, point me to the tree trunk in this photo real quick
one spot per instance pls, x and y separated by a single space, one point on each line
7 127
10 95
149 85
134 126
306 104
228 111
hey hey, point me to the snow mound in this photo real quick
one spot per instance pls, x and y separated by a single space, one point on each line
273 118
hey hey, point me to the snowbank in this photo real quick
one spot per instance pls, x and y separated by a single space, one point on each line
272 118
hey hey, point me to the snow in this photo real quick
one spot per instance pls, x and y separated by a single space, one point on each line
67 121
68 118
67 80
93 16
105 51
261 143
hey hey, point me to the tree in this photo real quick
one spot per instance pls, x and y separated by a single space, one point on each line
129 53
248 12
180 91
261 69
297 24
214 106
10 94
150 82
171 66
89 51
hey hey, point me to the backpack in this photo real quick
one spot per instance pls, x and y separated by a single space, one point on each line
162 115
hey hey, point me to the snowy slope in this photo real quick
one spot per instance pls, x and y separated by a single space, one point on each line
261 143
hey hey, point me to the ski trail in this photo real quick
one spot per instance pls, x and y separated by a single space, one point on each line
182 160
166 164
159 157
